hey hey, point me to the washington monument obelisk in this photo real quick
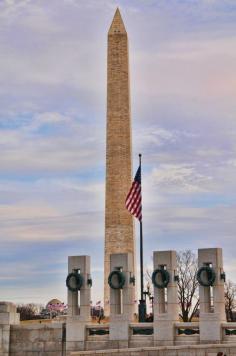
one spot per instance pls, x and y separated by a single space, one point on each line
119 230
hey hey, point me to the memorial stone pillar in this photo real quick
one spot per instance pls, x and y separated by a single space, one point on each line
79 296
122 295
165 308
211 293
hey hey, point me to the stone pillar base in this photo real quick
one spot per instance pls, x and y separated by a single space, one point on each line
75 335
164 333
8 317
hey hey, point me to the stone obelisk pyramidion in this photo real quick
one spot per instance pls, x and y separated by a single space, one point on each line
119 230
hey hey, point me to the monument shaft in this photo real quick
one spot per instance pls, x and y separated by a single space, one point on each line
119 231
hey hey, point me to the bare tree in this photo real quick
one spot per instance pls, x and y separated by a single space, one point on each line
230 300
187 284
27 311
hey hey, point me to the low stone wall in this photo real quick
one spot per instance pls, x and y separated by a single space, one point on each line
37 339
194 350
41 338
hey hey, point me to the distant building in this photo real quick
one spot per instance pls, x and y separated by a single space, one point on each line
56 306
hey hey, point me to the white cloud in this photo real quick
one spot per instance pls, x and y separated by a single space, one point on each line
196 70
182 178
69 145
51 210
154 136
231 162
48 118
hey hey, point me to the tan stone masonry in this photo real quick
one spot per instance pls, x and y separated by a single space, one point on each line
119 233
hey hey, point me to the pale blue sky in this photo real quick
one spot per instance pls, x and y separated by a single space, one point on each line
52 133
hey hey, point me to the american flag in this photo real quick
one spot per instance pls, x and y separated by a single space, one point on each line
98 305
56 306
133 201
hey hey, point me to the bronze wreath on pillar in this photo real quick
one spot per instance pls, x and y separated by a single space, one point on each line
165 277
211 276
74 281
116 280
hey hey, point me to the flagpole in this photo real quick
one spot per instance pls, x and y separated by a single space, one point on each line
141 235
142 303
